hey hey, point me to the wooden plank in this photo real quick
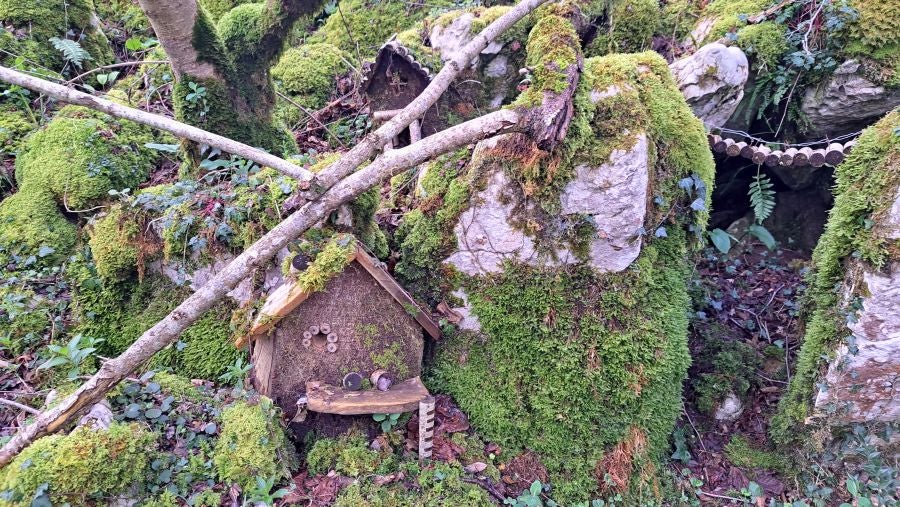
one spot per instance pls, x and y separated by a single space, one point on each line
329 399
400 295
263 358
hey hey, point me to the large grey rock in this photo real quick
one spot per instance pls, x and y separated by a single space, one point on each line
612 195
863 381
193 276
712 81
846 102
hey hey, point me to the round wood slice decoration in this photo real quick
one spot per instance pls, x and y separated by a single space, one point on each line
331 347
332 338
325 328
307 335
352 381
314 329
300 262
307 342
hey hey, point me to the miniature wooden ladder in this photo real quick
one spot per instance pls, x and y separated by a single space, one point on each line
426 427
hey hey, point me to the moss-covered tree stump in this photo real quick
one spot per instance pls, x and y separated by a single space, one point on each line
568 273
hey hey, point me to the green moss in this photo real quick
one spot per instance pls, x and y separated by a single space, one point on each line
733 369
371 24
30 221
437 485
764 41
178 386
217 8
307 73
80 466
392 359
553 46
731 15
875 37
36 21
744 455
348 455
330 261
26 317
206 349
252 444
166 499
241 28
632 25
678 17
14 126
866 186
112 241
125 13
486 16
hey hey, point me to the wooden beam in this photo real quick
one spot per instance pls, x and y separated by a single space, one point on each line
329 399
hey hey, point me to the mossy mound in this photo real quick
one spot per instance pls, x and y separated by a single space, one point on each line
730 15
218 8
437 485
866 187
307 73
765 42
126 14
252 444
25 318
576 365
80 467
35 22
112 242
71 165
14 126
629 27
875 37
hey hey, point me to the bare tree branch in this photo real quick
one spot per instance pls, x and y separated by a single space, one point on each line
178 128
257 256
374 141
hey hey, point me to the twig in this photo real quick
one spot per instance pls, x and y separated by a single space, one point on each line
724 497
114 66
26 408
311 116
691 422
760 375
487 486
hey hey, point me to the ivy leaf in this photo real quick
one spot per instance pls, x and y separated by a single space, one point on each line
721 240
152 413
134 44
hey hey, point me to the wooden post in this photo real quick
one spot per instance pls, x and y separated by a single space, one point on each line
802 157
734 149
426 427
415 132
834 154
787 158
760 155
747 151
774 158
728 144
817 158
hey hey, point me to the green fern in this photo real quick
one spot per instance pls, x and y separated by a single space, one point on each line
762 197
71 50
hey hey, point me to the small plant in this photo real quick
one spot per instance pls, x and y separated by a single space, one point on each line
197 97
71 355
388 421
762 200
236 374
261 493
71 50
531 497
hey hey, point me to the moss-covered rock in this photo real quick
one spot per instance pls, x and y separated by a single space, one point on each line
35 22
112 241
218 8
726 16
866 188
571 362
630 24
307 72
252 444
765 42
14 126
77 468
71 165
875 37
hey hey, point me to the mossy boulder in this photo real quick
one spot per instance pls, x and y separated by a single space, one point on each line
252 444
71 164
575 297
629 27
14 126
112 242
84 466
307 75
35 22
218 8
852 299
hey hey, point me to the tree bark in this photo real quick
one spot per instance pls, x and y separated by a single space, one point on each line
255 257
181 130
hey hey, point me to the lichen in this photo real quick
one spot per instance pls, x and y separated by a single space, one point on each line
252 444
84 465
866 187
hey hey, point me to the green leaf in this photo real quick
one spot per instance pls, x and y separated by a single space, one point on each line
762 234
535 488
134 44
152 413
168 148
379 417
45 251
721 240
56 361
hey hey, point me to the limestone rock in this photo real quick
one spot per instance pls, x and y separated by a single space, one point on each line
730 409
447 40
712 81
846 102
613 196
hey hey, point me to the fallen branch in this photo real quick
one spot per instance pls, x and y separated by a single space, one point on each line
19 406
79 77
257 256
178 128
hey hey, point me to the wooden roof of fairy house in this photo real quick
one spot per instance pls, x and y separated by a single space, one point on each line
304 340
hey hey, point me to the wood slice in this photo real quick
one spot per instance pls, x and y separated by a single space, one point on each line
848 147
352 381
307 335
802 157
760 154
787 158
720 144
747 151
314 329
735 149
729 143
331 347
306 342
328 399
774 158
834 154
300 262
381 379
817 158
332 337
325 328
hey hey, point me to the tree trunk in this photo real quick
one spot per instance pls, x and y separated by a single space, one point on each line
222 71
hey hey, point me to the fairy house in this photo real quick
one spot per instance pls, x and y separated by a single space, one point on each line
391 82
305 341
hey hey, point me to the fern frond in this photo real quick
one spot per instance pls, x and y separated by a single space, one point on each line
71 50
762 197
